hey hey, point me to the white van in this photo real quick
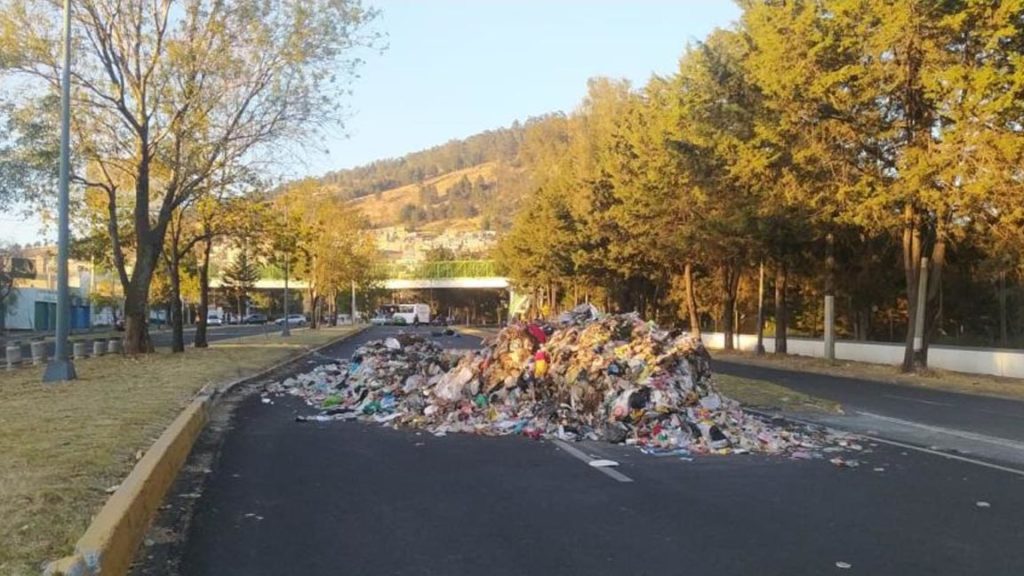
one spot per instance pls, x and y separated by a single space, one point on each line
413 313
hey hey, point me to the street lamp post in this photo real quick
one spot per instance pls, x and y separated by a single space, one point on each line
61 369
285 330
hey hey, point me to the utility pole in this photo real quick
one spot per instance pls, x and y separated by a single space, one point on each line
285 330
353 302
61 369
760 312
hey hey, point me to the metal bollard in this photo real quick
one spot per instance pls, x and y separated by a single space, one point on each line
99 348
114 346
80 350
13 356
39 353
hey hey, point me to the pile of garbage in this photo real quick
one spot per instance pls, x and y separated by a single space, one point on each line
614 378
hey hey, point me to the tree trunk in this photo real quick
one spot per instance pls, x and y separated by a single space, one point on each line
136 330
204 295
912 272
781 309
863 323
1004 337
936 265
177 325
312 297
691 301
730 283
241 304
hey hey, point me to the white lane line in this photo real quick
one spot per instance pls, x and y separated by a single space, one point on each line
918 400
946 455
949 431
894 442
580 455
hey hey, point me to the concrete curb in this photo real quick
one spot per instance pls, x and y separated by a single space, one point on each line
109 543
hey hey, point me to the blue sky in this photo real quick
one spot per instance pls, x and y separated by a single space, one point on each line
457 67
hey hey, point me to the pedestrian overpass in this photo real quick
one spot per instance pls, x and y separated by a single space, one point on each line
447 274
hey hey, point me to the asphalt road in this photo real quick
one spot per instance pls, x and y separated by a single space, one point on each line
270 496
986 427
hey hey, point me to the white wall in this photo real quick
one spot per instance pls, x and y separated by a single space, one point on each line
992 361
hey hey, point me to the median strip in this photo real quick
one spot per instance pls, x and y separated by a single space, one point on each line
65 447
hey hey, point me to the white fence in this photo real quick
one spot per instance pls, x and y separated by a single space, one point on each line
993 361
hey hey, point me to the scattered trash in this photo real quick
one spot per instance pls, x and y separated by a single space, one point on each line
252 515
614 378
844 565
662 452
266 400
112 489
842 463
879 469
982 504
603 463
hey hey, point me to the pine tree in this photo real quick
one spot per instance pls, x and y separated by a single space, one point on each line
240 278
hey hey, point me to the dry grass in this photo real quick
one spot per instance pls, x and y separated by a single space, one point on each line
752 393
65 445
934 379
384 211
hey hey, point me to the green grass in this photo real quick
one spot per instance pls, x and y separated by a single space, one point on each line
65 445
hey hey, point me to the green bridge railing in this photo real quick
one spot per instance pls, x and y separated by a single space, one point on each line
441 270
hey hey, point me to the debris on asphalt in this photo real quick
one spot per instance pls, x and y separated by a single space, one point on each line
843 463
844 565
982 504
615 378
603 463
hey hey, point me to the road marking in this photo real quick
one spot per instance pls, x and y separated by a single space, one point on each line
946 455
897 443
950 432
580 455
918 400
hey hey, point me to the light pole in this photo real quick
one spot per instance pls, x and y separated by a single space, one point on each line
353 302
760 312
61 368
285 330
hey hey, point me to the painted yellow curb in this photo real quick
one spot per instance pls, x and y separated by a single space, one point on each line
109 543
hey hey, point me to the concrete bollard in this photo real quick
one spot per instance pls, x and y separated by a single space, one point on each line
99 348
114 346
39 353
80 350
13 356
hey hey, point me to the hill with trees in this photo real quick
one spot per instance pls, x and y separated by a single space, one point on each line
473 183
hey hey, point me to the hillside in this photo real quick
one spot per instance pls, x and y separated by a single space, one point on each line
471 184
432 196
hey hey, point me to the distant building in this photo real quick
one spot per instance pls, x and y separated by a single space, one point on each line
33 302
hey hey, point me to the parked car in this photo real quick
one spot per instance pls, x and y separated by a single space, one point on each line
256 318
379 320
293 320
214 320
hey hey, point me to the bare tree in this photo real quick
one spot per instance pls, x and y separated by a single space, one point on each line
169 94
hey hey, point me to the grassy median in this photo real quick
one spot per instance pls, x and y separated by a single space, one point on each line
754 393
64 446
